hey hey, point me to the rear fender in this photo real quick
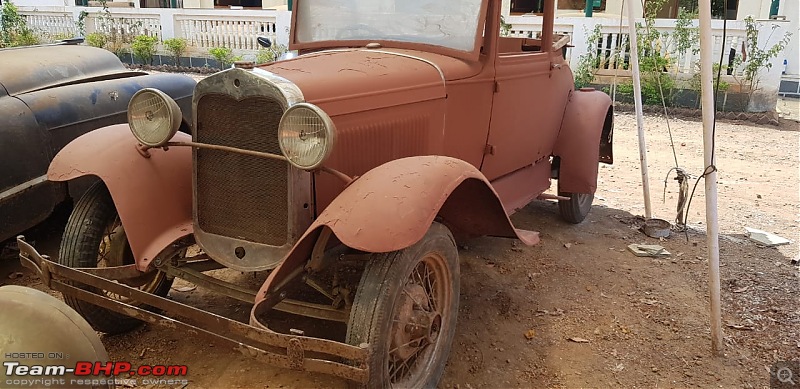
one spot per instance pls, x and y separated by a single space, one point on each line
586 130
153 195
392 206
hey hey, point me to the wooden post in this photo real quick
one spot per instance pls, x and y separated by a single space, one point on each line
637 99
712 234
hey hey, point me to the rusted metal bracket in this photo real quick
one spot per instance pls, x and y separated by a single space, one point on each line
127 274
317 311
318 253
143 150
546 196
196 277
250 340
341 176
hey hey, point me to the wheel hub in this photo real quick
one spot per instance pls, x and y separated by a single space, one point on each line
415 324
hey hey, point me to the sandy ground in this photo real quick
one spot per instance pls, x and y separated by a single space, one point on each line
639 322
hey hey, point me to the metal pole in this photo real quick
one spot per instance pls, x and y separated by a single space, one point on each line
712 234
637 99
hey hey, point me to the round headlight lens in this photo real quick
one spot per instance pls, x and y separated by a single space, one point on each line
153 116
306 135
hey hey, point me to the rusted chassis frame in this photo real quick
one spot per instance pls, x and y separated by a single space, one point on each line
287 351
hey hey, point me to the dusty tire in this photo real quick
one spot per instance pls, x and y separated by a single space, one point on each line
389 309
89 231
576 208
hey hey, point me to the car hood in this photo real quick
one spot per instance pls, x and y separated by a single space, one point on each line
29 69
352 80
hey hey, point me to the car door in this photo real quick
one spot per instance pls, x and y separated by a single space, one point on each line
528 105
26 197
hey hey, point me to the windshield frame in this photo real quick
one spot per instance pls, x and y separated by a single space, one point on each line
471 55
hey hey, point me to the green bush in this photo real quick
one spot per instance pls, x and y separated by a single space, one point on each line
97 39
144 48
14 30
588 63
176 48
270 55
27 38
224 56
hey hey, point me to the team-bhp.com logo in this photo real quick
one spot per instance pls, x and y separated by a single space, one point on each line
92 374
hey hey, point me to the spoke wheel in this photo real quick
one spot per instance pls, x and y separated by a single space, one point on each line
94 237
406 308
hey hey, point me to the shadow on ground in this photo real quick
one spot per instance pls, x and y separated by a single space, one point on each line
576 310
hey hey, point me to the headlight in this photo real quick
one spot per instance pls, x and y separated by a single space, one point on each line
306 135
153 116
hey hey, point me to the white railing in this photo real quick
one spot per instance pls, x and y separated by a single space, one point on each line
238 30
226 28
51 24
613 49
124 23
202 28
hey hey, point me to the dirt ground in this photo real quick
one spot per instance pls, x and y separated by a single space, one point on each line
594 314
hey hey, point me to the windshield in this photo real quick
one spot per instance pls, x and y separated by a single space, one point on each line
451 24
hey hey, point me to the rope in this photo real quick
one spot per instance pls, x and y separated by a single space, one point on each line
683 195
681 175
711 168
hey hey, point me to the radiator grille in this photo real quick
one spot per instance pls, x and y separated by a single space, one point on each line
241 196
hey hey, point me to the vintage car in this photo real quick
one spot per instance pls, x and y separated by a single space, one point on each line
50 95
345 176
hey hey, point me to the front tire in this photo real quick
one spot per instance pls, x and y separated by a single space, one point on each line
94 237
406 307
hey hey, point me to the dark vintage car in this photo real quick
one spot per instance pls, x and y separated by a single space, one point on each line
343 178
50 95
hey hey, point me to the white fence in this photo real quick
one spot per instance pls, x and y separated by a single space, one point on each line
52 24
612 48
238 30
232 30
124 23
202 28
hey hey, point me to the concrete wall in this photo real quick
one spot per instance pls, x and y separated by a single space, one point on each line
758 9
43 3
614 7
198 4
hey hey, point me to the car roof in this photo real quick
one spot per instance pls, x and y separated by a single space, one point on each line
28 69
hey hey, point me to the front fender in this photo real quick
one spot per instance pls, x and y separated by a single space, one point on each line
586 128
392 206
153 196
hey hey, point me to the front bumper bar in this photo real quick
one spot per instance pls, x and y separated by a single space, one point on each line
288 351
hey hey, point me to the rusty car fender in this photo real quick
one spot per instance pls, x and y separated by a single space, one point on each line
584 140
153 196
392 206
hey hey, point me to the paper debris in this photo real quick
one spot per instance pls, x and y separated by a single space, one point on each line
648 250
765 238
579 340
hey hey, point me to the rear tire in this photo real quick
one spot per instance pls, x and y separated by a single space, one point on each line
406 307
94 237
576 208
